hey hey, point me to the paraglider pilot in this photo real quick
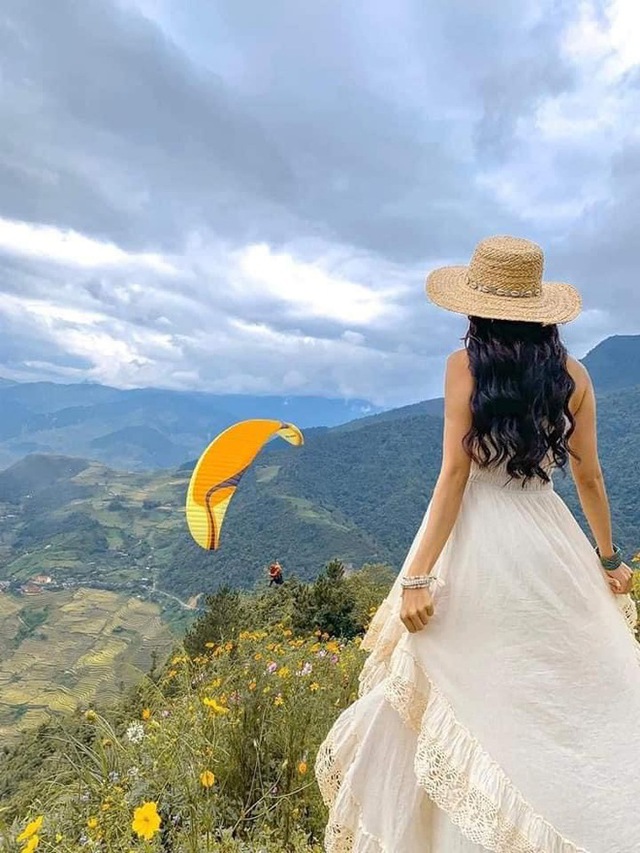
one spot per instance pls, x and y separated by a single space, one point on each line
275 573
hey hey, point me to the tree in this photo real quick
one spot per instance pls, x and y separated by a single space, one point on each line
328 604
222 620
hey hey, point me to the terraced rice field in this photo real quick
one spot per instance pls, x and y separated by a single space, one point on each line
59 650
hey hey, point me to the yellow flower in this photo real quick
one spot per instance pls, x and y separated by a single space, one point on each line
257 656
207 779
31 844
278 700
215 683
146 821
90 715
287 632
146 714
228 645
31 829
209 645
59 836
314 686
302 767
216 707
252 685
172 673
284 672
107 742
92 823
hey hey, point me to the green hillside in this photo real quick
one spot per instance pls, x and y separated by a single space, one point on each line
356 494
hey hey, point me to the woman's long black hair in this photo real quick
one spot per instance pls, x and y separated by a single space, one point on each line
521 396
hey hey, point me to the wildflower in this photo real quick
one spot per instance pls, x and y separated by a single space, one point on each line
322 653
334 658
31 829
210 645
215 706
207 779
302 767
90 716
146 714
278 700
284 672
114 776
92 823
135 733
314 686
257 656
146 820
306 669
228 645
31 844
215 683
252 685
287 632
272 666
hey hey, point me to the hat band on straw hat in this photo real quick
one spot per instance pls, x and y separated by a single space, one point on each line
499 290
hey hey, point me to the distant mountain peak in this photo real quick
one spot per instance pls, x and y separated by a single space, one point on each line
614 363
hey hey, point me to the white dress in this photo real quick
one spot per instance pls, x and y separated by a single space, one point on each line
511 722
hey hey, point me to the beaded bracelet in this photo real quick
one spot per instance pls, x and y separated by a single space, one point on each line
417 581
611 563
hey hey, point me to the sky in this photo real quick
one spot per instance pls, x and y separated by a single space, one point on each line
246 197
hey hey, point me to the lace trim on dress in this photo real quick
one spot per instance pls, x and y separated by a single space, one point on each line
450 764
463 780
340 837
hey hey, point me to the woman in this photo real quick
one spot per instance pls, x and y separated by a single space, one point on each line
499 705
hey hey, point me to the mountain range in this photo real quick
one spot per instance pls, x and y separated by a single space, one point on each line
150 428
143 428
355 491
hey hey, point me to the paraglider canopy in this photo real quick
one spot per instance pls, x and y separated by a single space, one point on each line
220 469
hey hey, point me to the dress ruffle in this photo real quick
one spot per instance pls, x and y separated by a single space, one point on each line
451 767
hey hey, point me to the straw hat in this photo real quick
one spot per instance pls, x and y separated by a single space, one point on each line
504 282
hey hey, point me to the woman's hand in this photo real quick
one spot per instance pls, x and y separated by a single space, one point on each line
620 580
417 608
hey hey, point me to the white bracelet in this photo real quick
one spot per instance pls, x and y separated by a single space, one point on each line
417 581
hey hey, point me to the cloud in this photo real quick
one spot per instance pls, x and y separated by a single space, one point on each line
244 197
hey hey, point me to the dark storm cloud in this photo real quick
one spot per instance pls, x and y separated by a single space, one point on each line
370 140
111 129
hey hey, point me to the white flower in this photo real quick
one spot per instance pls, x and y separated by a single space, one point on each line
135 733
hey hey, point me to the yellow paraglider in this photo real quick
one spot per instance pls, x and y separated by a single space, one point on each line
220 469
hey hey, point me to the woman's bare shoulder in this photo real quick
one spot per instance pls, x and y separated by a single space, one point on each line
578 372
580 376
458 369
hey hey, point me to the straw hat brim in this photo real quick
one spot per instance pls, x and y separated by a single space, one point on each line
558 302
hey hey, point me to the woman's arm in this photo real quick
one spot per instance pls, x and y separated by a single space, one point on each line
454 471
417 605
587 473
